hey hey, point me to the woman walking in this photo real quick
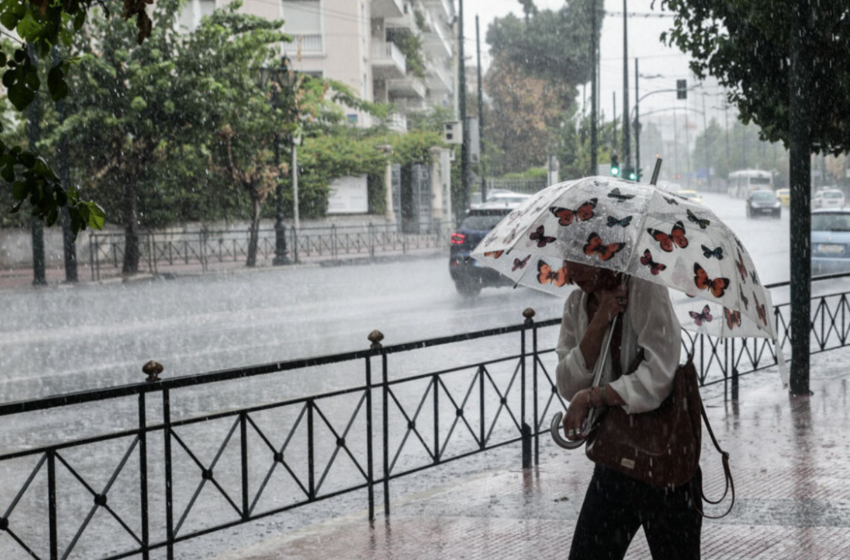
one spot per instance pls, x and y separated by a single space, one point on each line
615 505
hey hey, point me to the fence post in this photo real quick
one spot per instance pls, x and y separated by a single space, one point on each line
372 240
534 393
375 338
143 476
169 497
97 257
92 241
295 243
51 504
526 430
333 243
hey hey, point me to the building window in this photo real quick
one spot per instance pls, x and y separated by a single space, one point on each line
352 118
302 17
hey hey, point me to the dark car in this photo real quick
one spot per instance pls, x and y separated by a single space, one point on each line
763 203
830 241
468 277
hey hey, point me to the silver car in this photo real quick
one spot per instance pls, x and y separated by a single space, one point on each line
830 241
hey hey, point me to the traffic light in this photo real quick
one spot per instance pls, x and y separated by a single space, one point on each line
681 89
615 164
631 174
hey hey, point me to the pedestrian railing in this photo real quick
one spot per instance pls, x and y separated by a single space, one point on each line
207 248
262 458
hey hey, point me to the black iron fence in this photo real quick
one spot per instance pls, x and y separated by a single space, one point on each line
205 249
262 458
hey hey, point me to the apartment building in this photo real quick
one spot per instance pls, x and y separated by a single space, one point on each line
393 51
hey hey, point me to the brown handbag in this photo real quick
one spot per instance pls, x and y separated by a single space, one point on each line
660 447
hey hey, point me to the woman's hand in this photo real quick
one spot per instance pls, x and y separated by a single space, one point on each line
611 303
576 415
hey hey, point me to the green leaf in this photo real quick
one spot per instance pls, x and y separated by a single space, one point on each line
32 80
8 173
79 20
97 217
51 216
20 55
2 59
28 27
20 96
61 198
9 19
9 78
19 190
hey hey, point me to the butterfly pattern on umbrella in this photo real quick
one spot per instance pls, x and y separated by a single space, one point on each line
639 230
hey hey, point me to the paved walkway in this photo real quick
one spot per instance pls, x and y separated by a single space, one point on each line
790 459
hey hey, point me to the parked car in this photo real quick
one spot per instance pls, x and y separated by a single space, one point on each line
505 200
468 277
830 241
784 196
692 196
763 202
828 198
475 198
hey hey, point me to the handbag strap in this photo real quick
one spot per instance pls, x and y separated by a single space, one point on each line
727 473
616 344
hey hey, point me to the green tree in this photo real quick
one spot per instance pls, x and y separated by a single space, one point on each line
41 25
538 63
746 45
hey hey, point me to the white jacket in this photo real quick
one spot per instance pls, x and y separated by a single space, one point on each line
649 323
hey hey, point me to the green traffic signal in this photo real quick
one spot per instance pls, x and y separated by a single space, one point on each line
632 176
615 164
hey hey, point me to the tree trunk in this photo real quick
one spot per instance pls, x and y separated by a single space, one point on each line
131 228
254 239
801 217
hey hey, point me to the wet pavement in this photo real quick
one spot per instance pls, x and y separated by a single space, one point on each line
790 460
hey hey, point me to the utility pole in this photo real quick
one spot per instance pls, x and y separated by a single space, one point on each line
480 113
626 140
707 143
69 247
37 228
464 147
801 216
614 121
594 170
637 124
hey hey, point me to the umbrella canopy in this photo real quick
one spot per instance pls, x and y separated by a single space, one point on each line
644 232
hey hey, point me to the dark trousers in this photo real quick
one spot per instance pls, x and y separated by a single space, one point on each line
616 506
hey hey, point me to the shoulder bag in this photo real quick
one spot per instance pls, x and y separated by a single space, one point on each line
660 447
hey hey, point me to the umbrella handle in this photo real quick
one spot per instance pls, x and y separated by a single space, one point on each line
555 428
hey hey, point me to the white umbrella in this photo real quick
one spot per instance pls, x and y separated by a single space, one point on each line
644 232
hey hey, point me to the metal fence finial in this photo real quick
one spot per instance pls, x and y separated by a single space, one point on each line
375 337
529 315
152 369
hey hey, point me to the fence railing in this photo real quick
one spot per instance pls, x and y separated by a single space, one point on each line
528 186
394 422
208 248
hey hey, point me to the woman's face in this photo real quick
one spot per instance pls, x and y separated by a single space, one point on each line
584 276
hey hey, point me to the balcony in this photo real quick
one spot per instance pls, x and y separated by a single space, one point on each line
387 9
405 21
439 79
407 87
397 122
387 61
442 8
307 45
410 104
437 42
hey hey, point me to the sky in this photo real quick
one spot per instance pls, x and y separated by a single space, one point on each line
655 59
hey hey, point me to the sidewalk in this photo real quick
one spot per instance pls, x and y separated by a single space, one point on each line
789 456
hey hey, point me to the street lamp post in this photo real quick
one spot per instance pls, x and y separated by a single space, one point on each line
278 78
